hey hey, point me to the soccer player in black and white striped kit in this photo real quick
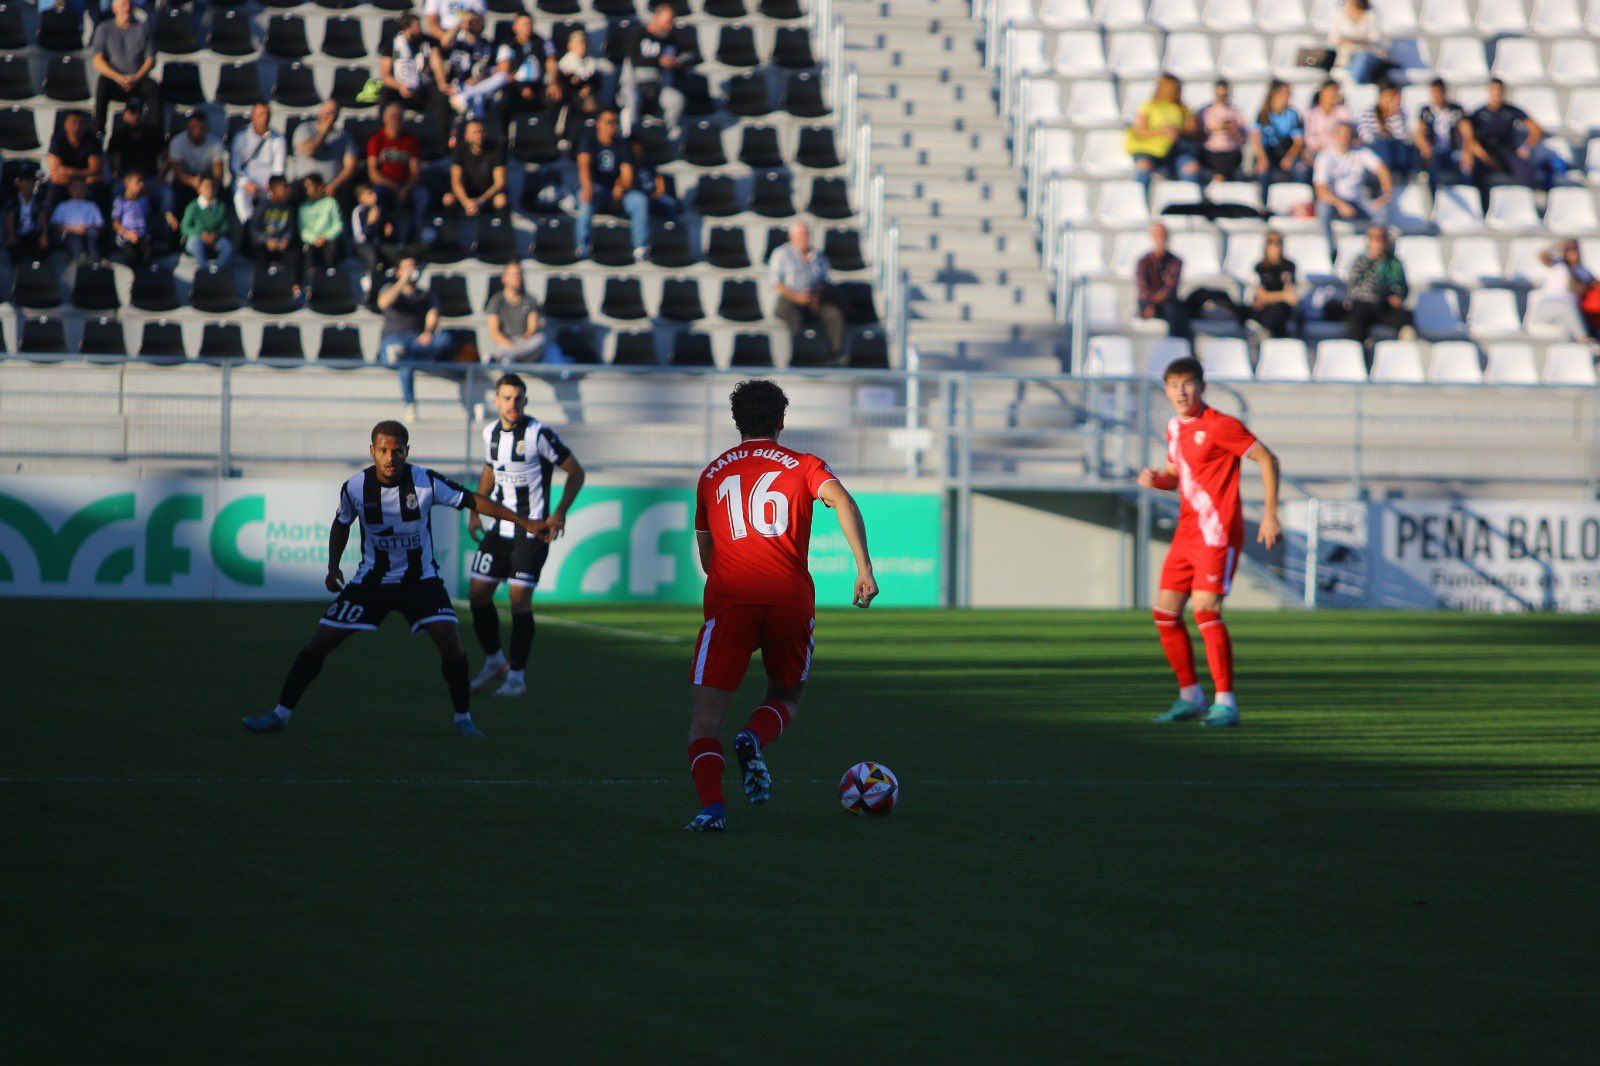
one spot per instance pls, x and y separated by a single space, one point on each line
520 453
393 500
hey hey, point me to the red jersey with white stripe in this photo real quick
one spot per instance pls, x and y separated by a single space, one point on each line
1206 450
755 500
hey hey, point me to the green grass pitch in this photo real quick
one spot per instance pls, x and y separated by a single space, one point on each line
1397 858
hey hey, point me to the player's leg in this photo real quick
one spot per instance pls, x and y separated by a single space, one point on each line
721 656
1177 576
453 667
358 613
486 627
520 592
1210 590
786 646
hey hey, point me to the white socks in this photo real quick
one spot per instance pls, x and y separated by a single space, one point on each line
1225 699
282 712
497 659
1193 694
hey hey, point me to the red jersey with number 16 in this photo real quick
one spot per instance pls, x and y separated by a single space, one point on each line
755 499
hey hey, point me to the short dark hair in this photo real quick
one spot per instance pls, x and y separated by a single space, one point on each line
513 380
758 407
1497 81
1187 367
390 428
406 21
1437 83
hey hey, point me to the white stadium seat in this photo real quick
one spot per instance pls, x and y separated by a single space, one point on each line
1397 17
1340 360
1189 56
1245 193
1065 14
1397 362
1120 14
1438 314
1322 12
1423 259
1244 252
1573 62
1285 59
1072 202
1242 57
1439 17
1080 54
1492 314
1284 198
1055 150
1041 101
1225 358
1518 60
1126 250
1410 214
1027 51
1133 94
1570 211
1174 15
1455 363
1103 154
1161 353
1171 193
1281 16
1497 17
1456 209
1122 204
1283 359
1511 364
1017 12
1568 364
1556 18
1109 357
1523 265
1201 254
1511 208
1474 261
1226 16
1093 103
1310 254
1460 59
1542 103
1105 306
1085 250
1583 111
1133 55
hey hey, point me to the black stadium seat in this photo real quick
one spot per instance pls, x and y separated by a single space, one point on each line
347 85
727 248
221 342
692 349
153 290
36 286
103 336
611 9
554 242
843 249
563 298
42 335
162 342
17 130
342 38
16 79
856 299
736 46
716 195
634 348
724 9
680 300
340 342
281 341
506 7
496 241
791 48
781 9
741 301
533 140
802 95
751 349
329 292
669 245
830 198
286 37
758 148
777 236
559 7
239 84
446 244
60 30
577 344
450 290
774 195
272 290
13 32
869 350
66 79
175 34
611 245
214 291
811 348
230 34
623 300
181 86
748 95
295 87
702 143
816 149
94 288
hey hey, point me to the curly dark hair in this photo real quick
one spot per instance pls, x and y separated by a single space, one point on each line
758 407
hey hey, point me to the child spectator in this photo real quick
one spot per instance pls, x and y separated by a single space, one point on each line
273 230
131 221
25 235
320 224
205 226
78 222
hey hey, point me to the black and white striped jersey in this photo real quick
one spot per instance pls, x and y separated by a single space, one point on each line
522 458
396 530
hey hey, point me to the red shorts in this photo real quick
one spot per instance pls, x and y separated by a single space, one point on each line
722 652
1193 566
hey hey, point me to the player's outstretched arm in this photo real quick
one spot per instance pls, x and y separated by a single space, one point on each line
338 537
854 529
1165 479
569 494
1270 530
485 506
475 528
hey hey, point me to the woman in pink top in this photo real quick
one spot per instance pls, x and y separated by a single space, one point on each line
1326 115
1223 127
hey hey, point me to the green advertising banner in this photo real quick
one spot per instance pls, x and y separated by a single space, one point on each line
196 538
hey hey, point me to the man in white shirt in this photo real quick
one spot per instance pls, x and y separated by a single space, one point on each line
1341 177
799 275
442 19
258 154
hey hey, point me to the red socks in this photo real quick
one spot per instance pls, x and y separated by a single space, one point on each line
768 721
705 766
1219 649
1175 642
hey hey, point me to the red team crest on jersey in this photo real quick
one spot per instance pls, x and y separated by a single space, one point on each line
1206 450
755 501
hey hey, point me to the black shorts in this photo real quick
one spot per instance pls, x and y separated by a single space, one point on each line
365 606
519 559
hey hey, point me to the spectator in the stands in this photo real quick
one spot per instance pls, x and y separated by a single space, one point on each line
477 173
1344 177
442 19
1378 290
1159 138
394 168
205 226
1504 145
192 155
514 325
1155 277
275 232
77 222
411 327
133 221
650 74
412 72
606 183
123 54
578 84
647 176
1442 130
1556 306
472 78
1327 114
137 145
257 155
1384 130
322 148
320 223
26 236
74 155
1278 140
373 233
529 63
799 274
1356 36
1276 297
1222 129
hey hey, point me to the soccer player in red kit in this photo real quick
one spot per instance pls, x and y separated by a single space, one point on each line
1204 447
752 520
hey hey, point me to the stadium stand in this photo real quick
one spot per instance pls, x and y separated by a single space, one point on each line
765 142
1485 286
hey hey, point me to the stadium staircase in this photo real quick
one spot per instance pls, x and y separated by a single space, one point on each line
977 295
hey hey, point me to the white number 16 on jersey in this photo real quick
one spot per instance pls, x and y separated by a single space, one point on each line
769 511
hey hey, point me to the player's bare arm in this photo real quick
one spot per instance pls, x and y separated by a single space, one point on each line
1165 478
854 528
1270 530
482 505
338 537
557 523
706 544
475 529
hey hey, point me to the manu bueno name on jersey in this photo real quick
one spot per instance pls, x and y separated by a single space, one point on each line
780 457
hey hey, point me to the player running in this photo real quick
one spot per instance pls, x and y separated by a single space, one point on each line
398 572
753 524
1203 451
519 454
